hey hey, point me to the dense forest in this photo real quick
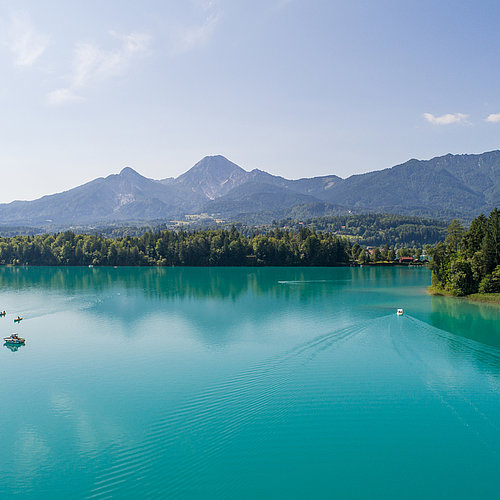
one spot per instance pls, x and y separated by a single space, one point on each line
365 229
179 248
469 260
378 229
466 262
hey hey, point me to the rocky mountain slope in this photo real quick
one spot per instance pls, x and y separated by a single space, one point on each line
446 186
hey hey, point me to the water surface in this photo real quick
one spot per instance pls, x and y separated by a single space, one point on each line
246 383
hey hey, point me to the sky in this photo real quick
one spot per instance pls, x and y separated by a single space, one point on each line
298 88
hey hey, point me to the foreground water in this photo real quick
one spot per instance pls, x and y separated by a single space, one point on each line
246 383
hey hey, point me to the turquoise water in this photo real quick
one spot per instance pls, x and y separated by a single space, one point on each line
246 383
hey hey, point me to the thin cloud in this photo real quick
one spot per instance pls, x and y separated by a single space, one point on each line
205 5
192 37
93 64
493 118
24 41
62 96
446 119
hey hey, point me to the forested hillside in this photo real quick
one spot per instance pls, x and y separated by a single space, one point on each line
469 261
378 229
182 248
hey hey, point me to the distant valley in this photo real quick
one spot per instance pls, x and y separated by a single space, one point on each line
216 189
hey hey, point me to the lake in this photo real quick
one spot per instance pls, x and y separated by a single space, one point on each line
246 383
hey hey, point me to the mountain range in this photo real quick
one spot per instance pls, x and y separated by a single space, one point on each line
443 187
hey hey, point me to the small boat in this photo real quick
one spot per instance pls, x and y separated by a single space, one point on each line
400 312
90 266
18 319
14 339
3 313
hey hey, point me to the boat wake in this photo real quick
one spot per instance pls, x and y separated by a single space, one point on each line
305 282
428 362
212 419
163 462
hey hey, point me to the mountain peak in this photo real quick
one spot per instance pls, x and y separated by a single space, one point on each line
212 176
214 157
446 186
128 171
217 163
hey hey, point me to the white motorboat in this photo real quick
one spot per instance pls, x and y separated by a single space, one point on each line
14 339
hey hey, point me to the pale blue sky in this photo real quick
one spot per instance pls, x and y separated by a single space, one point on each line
295 87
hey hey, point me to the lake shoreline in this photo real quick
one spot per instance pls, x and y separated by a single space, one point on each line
251 264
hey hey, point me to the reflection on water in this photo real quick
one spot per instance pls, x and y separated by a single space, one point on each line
13 347
245 382
130 294
474 320
194 282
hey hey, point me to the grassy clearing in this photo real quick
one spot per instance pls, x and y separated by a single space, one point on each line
435 290
489 298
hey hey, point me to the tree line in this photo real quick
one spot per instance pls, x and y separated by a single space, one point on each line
378 229
179 248
468 261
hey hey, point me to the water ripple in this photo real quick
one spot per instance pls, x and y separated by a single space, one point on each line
213 418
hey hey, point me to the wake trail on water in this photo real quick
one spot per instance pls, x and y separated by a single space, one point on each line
438 383
305 282
60 306
225 408
487 353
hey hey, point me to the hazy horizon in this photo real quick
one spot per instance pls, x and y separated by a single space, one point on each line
247 168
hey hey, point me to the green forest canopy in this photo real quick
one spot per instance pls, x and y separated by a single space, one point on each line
179 248
469 260
378 229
